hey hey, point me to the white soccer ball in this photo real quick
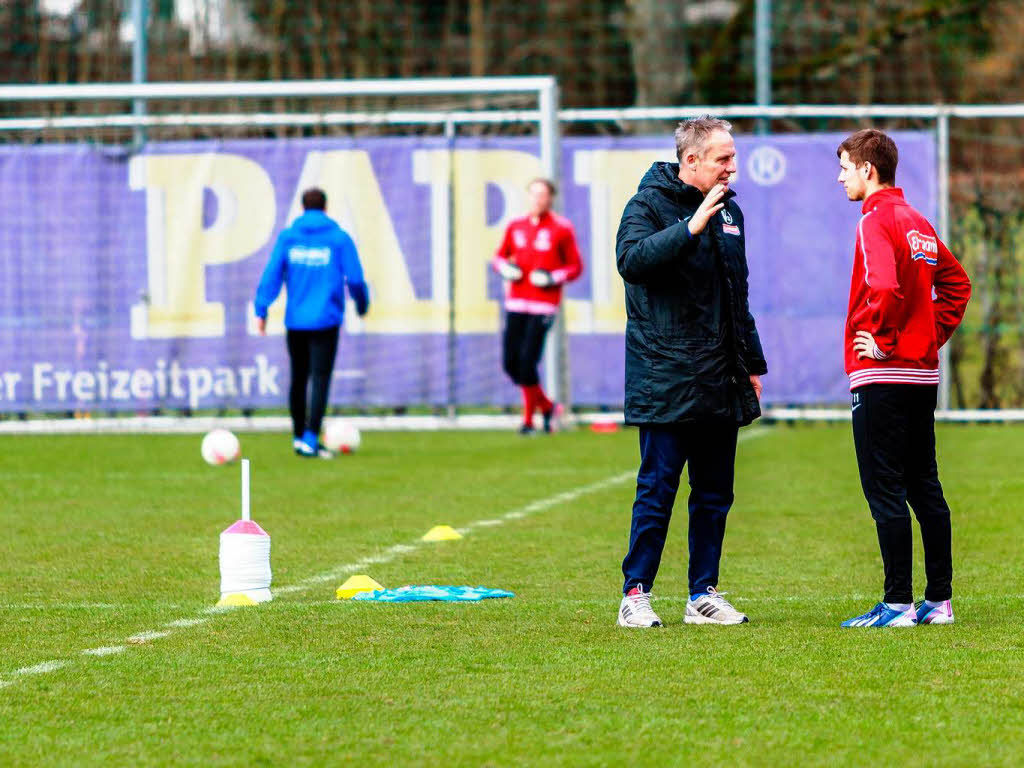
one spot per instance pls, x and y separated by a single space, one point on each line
220 447
341 436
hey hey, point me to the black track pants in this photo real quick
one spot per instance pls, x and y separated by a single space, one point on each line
894 434
312 356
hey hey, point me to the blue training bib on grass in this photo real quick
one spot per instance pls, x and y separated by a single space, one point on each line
423 593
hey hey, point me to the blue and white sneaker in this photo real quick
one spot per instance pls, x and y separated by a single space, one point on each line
311 448
884 616
935 614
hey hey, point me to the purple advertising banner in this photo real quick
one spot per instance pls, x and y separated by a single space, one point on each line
127 280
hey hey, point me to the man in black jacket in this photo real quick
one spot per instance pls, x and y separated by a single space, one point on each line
693 361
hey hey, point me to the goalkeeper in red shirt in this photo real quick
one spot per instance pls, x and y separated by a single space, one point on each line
537 256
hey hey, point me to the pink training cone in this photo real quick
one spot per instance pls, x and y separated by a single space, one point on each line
246 526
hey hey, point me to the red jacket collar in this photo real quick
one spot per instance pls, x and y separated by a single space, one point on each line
889 194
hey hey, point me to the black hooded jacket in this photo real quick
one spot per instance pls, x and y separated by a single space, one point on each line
691 342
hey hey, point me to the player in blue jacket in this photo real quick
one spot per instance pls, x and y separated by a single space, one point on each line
315 259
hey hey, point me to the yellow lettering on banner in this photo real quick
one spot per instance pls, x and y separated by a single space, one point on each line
612 176
476 241
432 168
355 201
179 248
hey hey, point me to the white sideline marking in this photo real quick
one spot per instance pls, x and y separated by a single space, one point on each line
107 650
145 637
385 556
41 669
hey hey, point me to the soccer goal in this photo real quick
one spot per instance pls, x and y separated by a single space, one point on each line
138 218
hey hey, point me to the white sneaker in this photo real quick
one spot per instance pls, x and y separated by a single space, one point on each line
635 610
713 608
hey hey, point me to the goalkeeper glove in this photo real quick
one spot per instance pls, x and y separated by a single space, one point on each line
542 278
510 271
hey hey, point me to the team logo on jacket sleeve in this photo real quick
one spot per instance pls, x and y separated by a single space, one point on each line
923 247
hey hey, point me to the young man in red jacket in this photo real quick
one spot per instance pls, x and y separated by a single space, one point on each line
537 256
907 296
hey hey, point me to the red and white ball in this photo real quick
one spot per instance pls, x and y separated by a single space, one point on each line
341 436
220 446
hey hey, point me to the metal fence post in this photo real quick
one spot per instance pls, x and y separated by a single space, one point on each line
140 13
453 340
763 59
942 139
555 357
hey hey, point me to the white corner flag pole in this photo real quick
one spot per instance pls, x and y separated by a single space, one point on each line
245 490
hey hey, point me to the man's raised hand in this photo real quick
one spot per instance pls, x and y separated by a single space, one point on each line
712 204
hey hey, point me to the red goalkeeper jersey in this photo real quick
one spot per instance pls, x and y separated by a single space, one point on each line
548 245
908 291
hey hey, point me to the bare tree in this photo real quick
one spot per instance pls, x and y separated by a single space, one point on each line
661 61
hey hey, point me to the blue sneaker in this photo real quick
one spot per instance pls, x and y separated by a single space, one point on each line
883 616
310 447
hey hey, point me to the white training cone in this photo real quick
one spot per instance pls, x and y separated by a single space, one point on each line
244 557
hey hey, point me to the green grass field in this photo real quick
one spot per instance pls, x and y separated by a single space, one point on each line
108 537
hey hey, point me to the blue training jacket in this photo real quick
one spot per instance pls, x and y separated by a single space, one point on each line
315 259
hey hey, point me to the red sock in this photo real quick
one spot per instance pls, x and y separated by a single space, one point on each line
529 405
540 399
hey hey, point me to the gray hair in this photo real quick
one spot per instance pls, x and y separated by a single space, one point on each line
694 134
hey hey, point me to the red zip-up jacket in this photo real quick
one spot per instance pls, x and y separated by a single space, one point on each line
908 291
550 244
